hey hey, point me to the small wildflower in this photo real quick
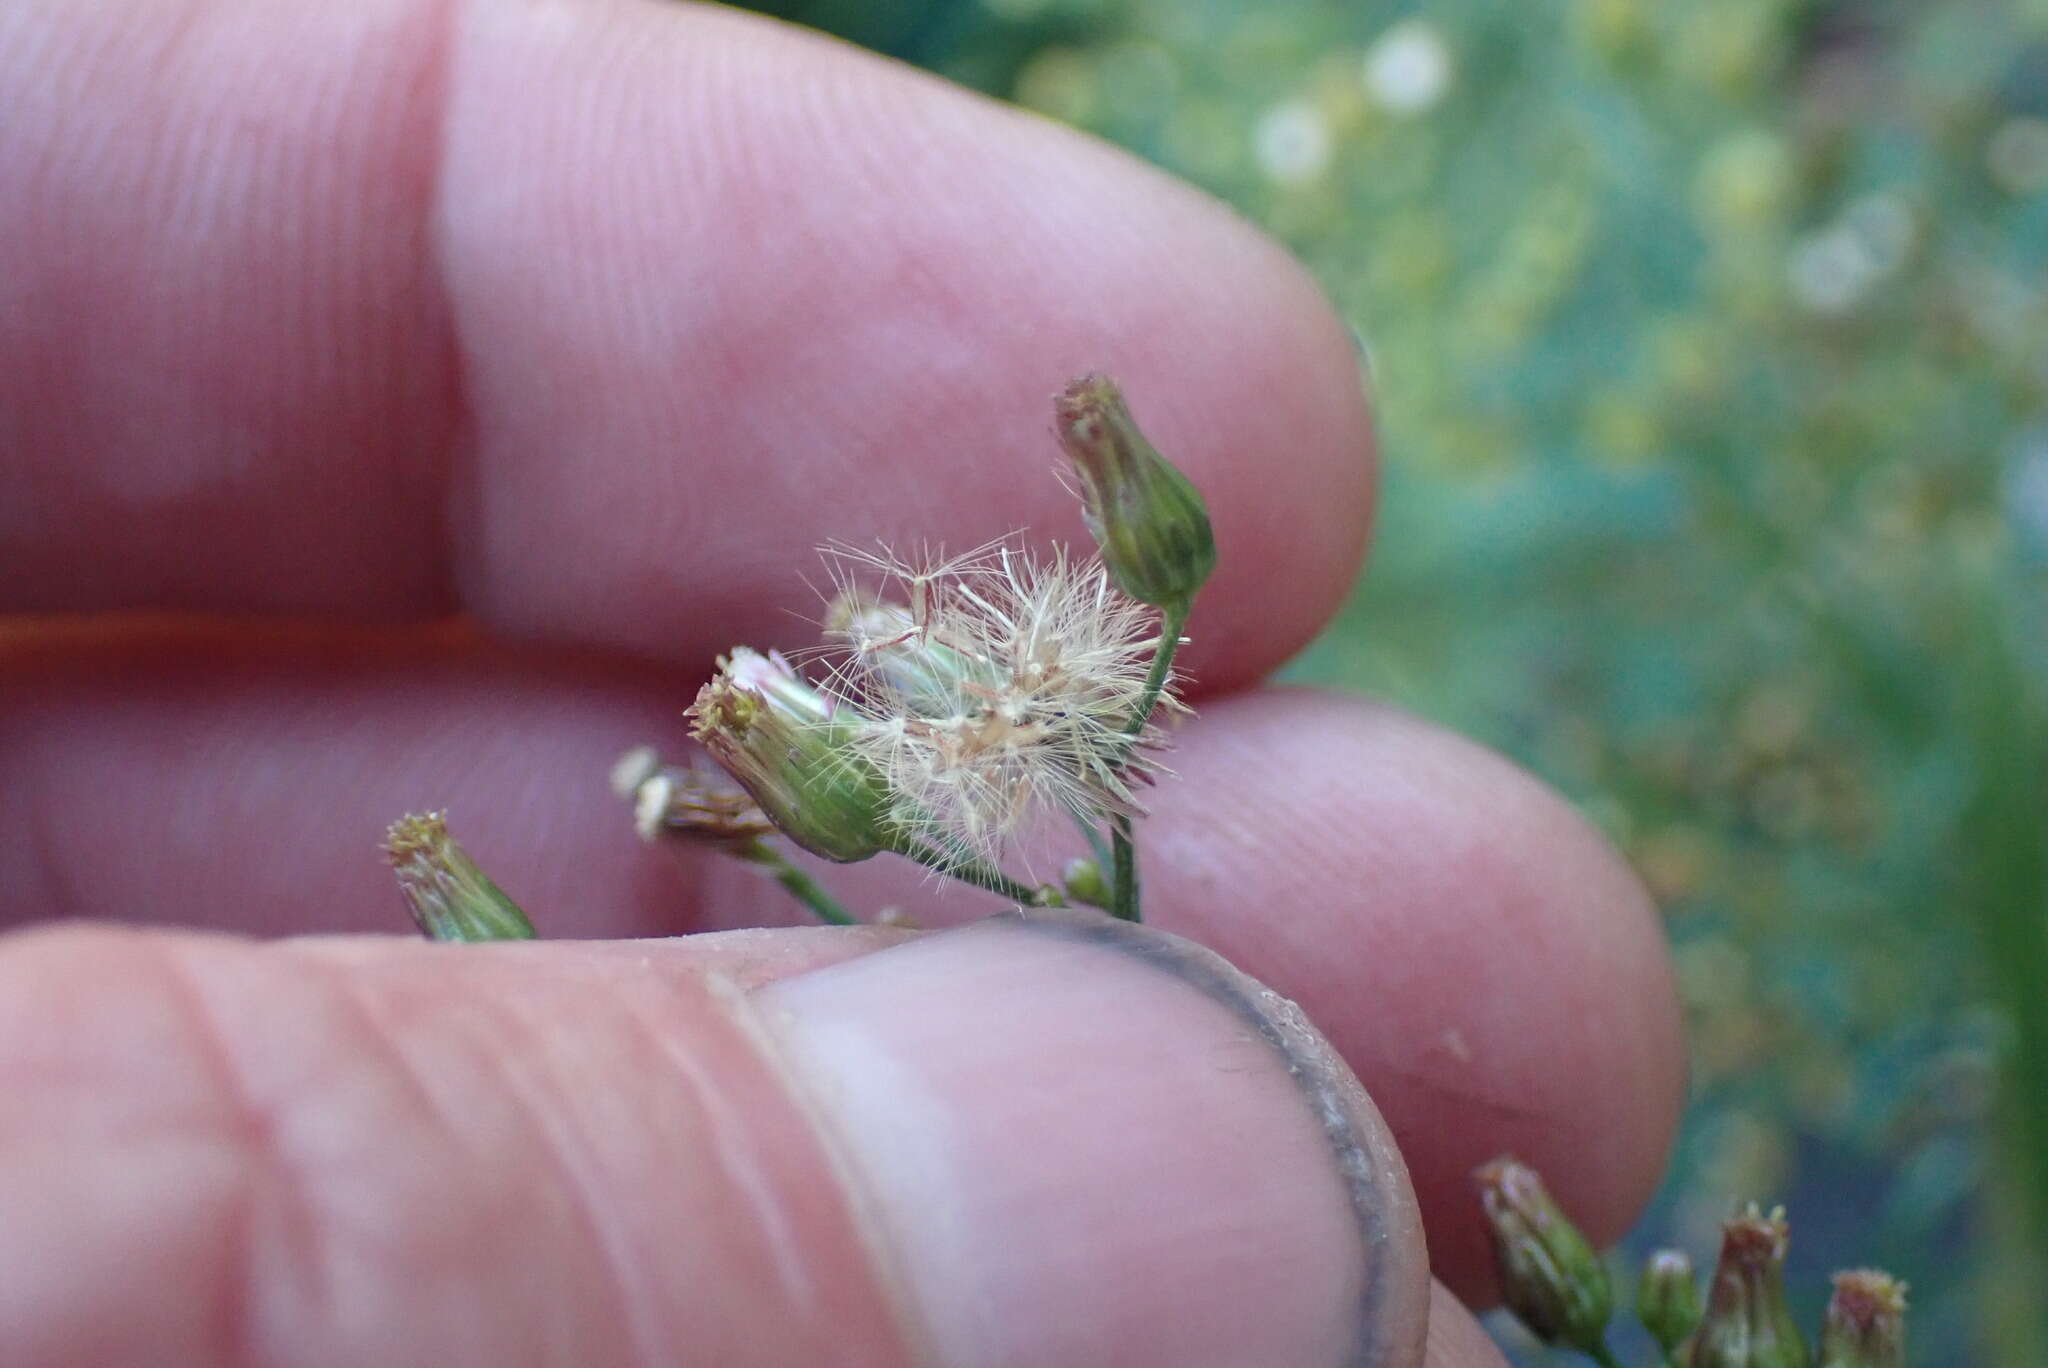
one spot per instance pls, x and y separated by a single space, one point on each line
794 750
1550 1276
1866 1322
1003 687
1748 1323
1668 1298
450 897
1147 517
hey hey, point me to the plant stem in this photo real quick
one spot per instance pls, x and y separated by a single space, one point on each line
1172 619
1123 850
1123 889
981 876
1603 1356
801 886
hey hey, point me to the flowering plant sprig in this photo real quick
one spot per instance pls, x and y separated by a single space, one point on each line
961 699
958 699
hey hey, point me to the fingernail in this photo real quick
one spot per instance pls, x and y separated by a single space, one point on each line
1081 1142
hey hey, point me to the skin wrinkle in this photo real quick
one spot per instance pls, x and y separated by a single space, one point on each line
729 1131
884 1263
614 1253
269 1177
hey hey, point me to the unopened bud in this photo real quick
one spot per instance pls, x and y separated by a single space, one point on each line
1147 517
1668 1298
788 746
1083 882
1748 1323
1866 1324
450 897
1550 1276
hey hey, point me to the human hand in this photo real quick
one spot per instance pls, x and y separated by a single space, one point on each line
588 320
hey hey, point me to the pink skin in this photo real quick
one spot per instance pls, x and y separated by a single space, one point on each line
590 321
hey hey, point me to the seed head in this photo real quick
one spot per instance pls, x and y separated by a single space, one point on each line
994 687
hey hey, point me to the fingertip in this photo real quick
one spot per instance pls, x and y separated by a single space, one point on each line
1494 972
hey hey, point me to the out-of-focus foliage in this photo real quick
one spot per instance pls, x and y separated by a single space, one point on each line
1710 343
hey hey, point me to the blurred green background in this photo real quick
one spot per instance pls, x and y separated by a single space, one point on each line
1710 342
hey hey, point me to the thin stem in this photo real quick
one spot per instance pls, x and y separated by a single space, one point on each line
981 876
1172 620
1123 889
1603 1356
801 886
1123 850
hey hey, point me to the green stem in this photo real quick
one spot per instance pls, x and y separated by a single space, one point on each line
981 876
1603 1356
1172 620
801 886
1123 889
1123 850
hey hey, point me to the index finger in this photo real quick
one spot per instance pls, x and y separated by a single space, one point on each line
593 319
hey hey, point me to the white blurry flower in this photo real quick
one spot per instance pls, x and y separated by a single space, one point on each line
1409 69
1292 143
1835 269
993 687
1829 272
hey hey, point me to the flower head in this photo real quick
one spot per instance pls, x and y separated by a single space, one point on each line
1549 1275
1748 1323
1866 1322
450 897
791 747
995 686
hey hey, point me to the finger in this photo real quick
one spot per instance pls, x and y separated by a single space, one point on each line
1480 957
1033 1141
594 319
1455 1339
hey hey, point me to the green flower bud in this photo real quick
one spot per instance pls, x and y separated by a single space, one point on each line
1550 1276
1083 882
1866 1324
1748 1323
1668 1298
450 897
789 746
1148 519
